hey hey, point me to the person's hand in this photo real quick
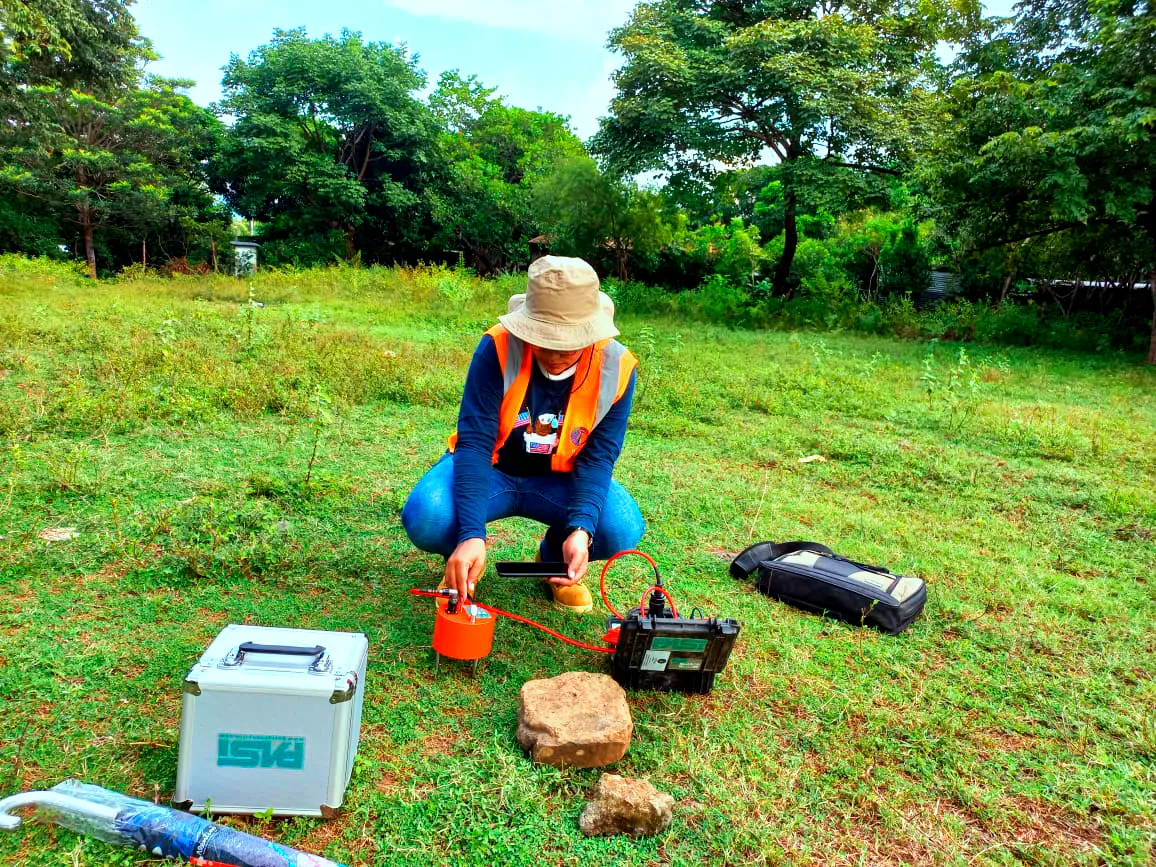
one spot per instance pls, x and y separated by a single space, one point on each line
465 567
576 553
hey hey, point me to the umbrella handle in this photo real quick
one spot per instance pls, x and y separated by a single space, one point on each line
54 801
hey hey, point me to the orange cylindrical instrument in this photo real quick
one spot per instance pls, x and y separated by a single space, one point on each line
467 633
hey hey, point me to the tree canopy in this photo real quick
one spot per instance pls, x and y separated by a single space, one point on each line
90 141
92 44
493 156
329 142
824 88
1050 144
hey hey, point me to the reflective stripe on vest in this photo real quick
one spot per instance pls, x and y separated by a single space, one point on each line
602 376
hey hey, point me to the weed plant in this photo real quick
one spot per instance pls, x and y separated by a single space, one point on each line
238 452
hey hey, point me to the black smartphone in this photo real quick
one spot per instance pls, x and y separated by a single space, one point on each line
511 569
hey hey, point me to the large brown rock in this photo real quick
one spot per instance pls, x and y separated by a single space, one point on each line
577 719
625 806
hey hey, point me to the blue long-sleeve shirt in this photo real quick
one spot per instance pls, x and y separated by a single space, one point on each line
478 431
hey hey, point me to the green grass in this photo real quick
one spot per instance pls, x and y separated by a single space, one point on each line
172 423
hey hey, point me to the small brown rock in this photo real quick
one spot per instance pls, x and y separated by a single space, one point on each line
577 719
625 806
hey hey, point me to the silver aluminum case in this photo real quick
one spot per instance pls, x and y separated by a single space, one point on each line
265 707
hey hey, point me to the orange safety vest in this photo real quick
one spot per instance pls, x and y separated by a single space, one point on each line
600 381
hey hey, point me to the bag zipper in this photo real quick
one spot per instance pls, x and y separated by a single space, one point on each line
841 583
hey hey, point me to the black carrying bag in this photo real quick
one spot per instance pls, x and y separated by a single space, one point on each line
812 577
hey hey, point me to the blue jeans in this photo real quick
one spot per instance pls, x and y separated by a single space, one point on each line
431 521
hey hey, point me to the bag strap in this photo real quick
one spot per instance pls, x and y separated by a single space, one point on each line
748 560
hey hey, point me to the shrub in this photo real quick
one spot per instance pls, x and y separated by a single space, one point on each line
817 271
883 253
730 250
717 300
630 296
14 265
1013 324
901 317
904 265
951 320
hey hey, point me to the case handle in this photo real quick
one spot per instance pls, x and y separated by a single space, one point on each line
319 661
282 649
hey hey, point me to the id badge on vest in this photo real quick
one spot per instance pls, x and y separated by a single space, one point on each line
541 435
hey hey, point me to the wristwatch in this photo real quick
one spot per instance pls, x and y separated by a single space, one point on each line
574 527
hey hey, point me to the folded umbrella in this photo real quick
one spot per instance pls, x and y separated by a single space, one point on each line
125 821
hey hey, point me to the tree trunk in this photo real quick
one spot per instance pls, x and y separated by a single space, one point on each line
213 252
1152 289
1011 266
89 249
1007 280
350 243
144 253
790 244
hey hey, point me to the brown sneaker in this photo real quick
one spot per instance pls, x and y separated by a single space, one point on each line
572 597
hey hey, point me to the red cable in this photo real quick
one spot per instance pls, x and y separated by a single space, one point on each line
606 566
416 592
545 629
605 599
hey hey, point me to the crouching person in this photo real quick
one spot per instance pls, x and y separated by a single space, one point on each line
542 421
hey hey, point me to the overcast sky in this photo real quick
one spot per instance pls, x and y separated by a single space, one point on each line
546 54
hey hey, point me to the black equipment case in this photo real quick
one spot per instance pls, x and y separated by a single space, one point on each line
654 649
812 577
658 651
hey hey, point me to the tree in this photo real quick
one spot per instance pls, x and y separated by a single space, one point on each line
87 44
459 103
588 213
756 196
883 254
101 163
328 139
493 154
183 231
824 89
720 196
1052 135
87 138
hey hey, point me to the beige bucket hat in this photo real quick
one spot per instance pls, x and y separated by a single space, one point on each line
562 307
